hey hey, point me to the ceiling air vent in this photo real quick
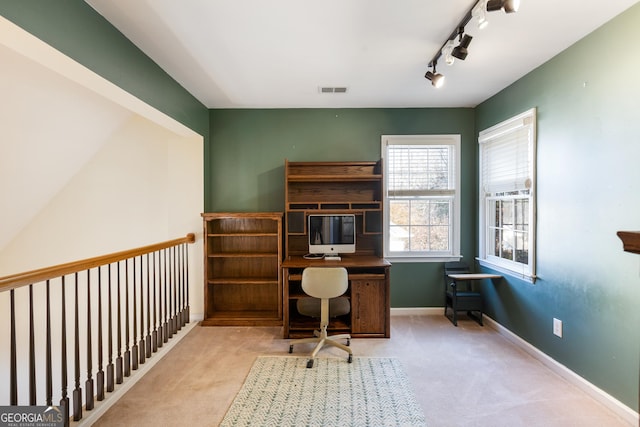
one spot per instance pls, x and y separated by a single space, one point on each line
327 89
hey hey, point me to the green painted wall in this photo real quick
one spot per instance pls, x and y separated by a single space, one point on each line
588 101
77 30
248 148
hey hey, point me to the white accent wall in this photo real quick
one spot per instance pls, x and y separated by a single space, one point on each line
88 169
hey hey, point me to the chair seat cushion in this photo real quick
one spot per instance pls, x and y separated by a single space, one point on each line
311 306
465 301
465 294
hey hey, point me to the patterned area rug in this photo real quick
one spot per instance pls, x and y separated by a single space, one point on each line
281 391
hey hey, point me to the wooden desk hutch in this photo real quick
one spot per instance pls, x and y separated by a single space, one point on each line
337 187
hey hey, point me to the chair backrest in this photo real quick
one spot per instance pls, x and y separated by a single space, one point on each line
455 267
325 282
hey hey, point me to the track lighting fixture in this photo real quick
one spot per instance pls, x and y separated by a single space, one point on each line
509 6
450 51
437 79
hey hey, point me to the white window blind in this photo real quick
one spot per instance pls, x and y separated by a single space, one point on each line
416 170
506 163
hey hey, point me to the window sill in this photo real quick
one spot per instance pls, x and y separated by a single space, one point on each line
417 259
507 272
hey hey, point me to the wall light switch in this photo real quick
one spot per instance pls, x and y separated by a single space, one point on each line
557 327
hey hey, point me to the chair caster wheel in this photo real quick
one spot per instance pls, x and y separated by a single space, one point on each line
310 363
348 342
290 349
350 359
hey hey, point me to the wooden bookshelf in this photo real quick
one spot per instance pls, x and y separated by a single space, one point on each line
243 255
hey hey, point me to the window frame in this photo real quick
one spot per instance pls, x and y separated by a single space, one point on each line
502 132
453 254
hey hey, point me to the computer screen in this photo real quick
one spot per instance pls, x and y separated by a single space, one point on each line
332 234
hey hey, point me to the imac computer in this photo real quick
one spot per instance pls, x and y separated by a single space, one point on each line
332 234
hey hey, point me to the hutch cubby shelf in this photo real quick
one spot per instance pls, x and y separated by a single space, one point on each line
243 255
337 187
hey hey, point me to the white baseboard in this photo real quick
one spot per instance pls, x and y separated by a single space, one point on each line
416 311
110 399
619 408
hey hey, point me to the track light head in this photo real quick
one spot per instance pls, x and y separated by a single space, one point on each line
479 13
509 6
493 5
461 51
437 79
446 52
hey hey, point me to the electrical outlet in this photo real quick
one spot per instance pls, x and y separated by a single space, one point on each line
557 327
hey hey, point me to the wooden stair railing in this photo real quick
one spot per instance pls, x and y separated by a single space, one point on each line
154 283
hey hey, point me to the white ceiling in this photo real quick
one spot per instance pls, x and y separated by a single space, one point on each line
277 53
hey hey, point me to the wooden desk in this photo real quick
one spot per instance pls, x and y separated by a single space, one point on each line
368 292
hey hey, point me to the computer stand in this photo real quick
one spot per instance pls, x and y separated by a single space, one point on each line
332 257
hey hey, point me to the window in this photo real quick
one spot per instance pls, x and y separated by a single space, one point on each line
421 200
507 195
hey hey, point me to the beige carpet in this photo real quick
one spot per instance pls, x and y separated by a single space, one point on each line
469 376
282 391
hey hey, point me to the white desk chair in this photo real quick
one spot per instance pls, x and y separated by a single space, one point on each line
326 284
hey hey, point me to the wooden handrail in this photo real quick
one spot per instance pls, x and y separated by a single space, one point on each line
22 279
